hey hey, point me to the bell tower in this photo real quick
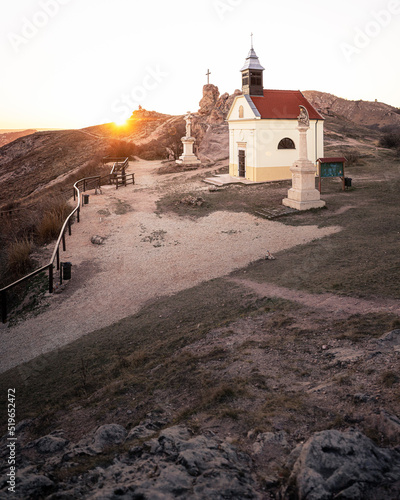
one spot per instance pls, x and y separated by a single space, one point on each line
252 74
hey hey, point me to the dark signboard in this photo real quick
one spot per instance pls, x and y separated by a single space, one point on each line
332 169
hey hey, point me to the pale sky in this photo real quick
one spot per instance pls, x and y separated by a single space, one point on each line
76 63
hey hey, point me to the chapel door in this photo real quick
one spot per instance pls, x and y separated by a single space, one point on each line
242 163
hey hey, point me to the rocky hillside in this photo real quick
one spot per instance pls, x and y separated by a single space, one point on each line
9 136
366 113
30 163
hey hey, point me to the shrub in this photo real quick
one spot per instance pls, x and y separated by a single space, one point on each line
390 140
18 257
121 148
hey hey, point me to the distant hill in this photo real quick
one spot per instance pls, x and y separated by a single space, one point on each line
367 113
7 136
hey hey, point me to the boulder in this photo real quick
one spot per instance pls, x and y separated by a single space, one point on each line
50 444
33 486
345 465
108 435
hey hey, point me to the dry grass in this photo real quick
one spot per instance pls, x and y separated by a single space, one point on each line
52 221
19 260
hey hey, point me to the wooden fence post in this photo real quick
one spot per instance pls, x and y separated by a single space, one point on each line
51 278
4 306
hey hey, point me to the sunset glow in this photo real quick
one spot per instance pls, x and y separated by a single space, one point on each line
77 64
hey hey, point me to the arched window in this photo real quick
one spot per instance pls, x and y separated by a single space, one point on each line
286 143
241 112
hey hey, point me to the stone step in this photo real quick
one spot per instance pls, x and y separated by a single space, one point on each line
213 181
274 213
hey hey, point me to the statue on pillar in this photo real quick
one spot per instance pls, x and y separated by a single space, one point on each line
189 121
303 195
304 118
188 157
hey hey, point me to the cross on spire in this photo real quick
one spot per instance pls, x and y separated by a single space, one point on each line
208 76
252 40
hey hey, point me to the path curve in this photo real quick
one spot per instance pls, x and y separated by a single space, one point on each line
326 301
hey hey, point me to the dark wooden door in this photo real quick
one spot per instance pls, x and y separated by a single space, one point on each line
242 163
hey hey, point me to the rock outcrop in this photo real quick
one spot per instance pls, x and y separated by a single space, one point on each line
174 464
210 125
210 97
154 461
215 106
345 465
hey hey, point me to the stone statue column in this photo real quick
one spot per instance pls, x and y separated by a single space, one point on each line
188 119
188 157
303 195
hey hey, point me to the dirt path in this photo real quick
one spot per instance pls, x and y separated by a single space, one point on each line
144 256
330 303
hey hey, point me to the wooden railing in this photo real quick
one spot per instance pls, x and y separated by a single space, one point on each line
50 266
120 166
79 188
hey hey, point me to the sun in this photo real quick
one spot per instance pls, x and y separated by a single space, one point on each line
121 123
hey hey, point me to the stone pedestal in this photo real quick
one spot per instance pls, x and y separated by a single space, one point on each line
303 195
188 157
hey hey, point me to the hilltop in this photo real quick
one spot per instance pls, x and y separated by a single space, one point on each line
7 136
372 114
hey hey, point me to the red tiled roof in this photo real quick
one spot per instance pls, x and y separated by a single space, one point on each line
283 104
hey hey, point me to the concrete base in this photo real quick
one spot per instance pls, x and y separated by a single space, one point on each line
303 195
303 205
188 160
188 157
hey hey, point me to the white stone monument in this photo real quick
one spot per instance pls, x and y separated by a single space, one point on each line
188 157
303 195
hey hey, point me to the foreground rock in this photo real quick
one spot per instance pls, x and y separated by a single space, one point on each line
176 464
345 465
153 461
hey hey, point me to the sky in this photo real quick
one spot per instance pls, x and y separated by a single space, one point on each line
77 63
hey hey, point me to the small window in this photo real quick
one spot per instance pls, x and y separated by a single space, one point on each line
241 112
286 143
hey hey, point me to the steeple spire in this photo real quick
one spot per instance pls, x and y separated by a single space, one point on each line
252 74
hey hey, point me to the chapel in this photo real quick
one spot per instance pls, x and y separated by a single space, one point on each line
263 135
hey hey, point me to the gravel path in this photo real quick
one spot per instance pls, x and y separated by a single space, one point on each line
144 256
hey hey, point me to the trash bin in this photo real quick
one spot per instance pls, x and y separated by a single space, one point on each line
86 199
67 270
347 182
